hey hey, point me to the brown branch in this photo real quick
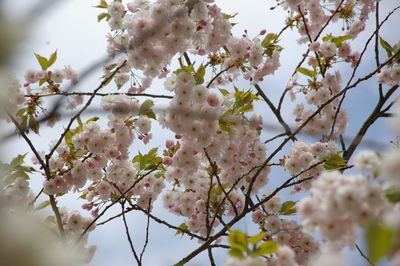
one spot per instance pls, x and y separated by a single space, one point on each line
46 170
219 74
364 256
158 220
129 236
375 114
356 67
102 84
276 112
115 216
116 201
146 241
64 93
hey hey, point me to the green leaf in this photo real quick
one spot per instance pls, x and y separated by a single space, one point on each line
237 240
334 161
149 160
145 106
52 59
24 124
21 112
50 220
93 119
22 168
256 238
236 253
103 4
267 248
327 38
42 205
68 137
224 92
182 226
43 62
102 16
228 16
145 109
12 177
224 125
385 45
243 100
392 195
18 160
189 69
288 208
34 124
269 39
378 239
199 77
339 40
306 72
5 169
80 123
246 108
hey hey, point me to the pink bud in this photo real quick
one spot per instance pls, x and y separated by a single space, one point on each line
212 99
167 160
95 213
201 51
169 144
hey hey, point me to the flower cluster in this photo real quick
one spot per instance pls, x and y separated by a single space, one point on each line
329 114
307 157
18 193
194 115
339 204
152 33
317 13
102 157
390 76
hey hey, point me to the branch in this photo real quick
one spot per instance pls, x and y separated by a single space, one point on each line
47 172
64 93
146 241
364 256
116 201
375 114
276 112
219 74
356 67
129 236
105 81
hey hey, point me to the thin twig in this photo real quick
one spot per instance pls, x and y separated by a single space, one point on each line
129 236
116 201
219 74
364 256
115 216
211 257
102 84
146 241
63 93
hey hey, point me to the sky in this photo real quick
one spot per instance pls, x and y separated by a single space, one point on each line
71 28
